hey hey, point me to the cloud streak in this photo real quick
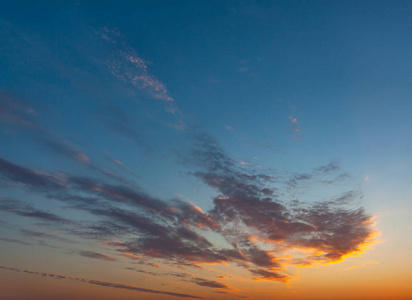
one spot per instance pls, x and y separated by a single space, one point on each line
96 255
103 283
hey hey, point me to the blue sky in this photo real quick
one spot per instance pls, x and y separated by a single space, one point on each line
203 117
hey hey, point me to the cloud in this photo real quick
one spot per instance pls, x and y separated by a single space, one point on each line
14 111
233 295
29 178
126 65
43 235
362 265
99 230
96 255
103 283
210 283
268 275
177 248
138 259
26 210
174 239
247 212
17 241
295 126
181 275
118 193
142 271
138 289
120 122
64 148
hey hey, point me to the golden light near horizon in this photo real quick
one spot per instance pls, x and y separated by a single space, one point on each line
205 150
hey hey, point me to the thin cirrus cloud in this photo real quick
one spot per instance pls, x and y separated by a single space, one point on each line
110 54
16 112
132 70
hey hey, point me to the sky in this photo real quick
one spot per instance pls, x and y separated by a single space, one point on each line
205 150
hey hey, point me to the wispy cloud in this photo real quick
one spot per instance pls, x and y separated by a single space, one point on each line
26 210
294 124
44 235
130 68
142 271
96 255
17 241
102 283
15 112
210 283
362 265
12 110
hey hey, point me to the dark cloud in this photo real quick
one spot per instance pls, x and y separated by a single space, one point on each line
17 241
26 210
210 283
14 111
176 248
138 289
180 275
119 194
299 178
137 259
137 222
188 214
268 275
142 271
319 175
96 255
331 167
337 179
233 295
103 283
99 230
29 178
247 212
144 262
43 235
64 148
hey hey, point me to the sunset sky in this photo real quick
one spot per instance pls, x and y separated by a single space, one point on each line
205 150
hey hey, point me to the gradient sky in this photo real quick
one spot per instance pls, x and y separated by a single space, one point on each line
205 150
